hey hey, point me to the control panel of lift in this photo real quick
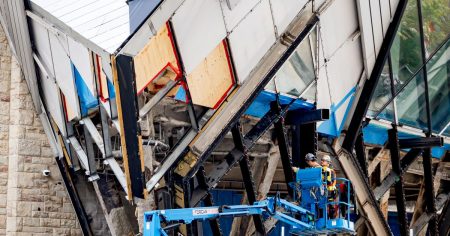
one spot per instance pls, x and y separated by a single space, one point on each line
314 209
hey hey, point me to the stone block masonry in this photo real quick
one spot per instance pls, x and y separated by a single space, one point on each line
30 203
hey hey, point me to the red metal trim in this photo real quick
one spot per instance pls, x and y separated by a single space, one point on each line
176 70
233 81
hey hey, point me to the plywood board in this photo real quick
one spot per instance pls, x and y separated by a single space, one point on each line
211 81
285 11
199 27
156 58
63 73
251 39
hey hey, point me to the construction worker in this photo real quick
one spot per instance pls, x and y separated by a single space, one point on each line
330 179
311 160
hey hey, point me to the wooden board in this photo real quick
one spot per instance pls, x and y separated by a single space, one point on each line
212 79
157 57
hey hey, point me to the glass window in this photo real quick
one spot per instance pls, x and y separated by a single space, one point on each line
411 105
382 92
298 71
436 23
406 48
438 74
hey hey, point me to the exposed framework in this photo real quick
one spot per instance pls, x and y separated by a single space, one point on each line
195 147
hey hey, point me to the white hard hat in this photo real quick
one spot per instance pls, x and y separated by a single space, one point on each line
326 158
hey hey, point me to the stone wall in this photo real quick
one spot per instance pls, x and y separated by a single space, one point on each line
30 203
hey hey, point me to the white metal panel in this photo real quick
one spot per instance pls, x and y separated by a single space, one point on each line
238 11
52 100
394 4
323 91
285 11
81 58
251 39
162 14
344 70
199 28
385 15
339 21
42 45
63 71
365 22
376 24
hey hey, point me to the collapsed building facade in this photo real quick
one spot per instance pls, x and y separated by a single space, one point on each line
213 102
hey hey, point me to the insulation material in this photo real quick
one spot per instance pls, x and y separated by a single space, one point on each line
81 57
251 39
157 62
198 27
63 74
234 12
211 81
87 99
285 11
52 100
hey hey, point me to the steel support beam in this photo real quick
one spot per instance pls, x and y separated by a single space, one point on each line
247 176
156 98
283 146
299 116
425 142
208 201
393 176
360 151
370 85
127 106
73 194
429 191
399 189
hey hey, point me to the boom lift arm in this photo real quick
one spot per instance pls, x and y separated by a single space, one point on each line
308 215
267 208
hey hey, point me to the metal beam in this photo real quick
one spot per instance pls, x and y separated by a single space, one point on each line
360 151
208 201
425 142
299 116
247 177
73 194
393 176
127 107
429 191
399 190
156 98
370 85
283 146
441 203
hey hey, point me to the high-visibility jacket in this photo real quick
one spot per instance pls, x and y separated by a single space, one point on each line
329 176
